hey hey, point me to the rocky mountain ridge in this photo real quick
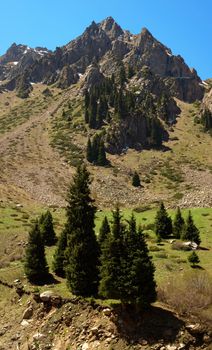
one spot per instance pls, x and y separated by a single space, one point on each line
106 44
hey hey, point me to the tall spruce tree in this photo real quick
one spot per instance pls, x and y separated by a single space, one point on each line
163 223
35 265
111 260
82 248
191 232
59 258
89 151
102 159
104 231
178 224
47 229
138 273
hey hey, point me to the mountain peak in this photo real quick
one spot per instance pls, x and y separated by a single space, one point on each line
110 26
145 32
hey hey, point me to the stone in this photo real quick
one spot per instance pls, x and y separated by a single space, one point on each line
25 323
28 313
46 296
107 312
85 346
38 336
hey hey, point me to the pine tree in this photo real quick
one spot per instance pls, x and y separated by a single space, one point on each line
163 223
104 231
35 265
136 182
47 229
127 272
193 259
89 152
82 247
111 260
102 159
138 274
178 224
191 232
59 260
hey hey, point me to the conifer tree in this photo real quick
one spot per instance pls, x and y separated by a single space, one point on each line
59 258
102 159
138 274
163 223
89 152
136 182
82 248
191 232
178 224
47 229
104 231
111 260
35 265
193 259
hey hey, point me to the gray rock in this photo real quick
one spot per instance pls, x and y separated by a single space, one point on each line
28 313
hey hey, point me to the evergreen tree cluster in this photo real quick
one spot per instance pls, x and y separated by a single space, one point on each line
112 101
126 270
180 228
117 265
206 120
95 151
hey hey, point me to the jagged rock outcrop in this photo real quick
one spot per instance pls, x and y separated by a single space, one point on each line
207 100
107 44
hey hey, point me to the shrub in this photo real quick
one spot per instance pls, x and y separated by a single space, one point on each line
189 294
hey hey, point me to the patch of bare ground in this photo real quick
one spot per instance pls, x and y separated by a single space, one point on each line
79 324
30 165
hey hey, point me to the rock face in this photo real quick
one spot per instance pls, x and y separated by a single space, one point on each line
105 43
207 100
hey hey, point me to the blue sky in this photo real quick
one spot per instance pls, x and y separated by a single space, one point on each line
185 26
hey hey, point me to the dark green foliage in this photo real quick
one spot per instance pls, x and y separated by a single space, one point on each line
178 224
163 223
191 232
92 112
104 231
59 260
35 265
82 247
89 151
136 182
95 152
47 229
111 102
127 272
206 120
111 269
101 160
162 108
156 132
139 283
193 259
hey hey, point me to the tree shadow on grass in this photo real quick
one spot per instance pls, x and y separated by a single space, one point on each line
49 279
152 325
197 267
